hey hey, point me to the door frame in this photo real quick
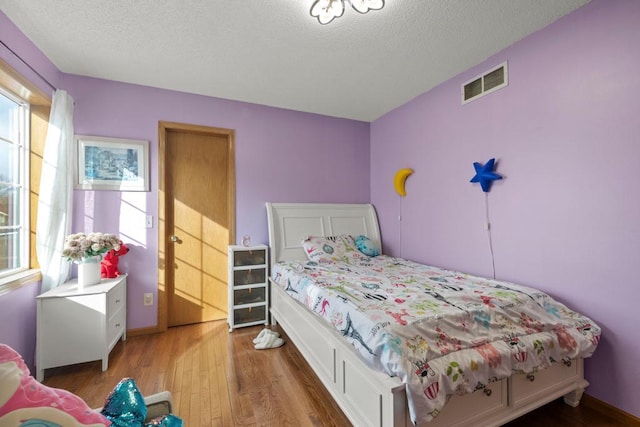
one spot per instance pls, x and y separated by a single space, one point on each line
165 249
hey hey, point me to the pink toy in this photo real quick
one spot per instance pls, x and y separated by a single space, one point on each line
27 402
109 265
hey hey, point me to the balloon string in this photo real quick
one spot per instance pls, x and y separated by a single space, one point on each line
488 226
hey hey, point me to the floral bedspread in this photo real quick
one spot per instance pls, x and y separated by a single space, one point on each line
441 332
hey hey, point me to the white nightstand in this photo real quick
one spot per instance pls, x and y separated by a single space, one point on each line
80 325
248 286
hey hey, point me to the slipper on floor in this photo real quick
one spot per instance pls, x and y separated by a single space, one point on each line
269 341
264 332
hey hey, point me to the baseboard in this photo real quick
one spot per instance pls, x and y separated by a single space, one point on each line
143 331
619 415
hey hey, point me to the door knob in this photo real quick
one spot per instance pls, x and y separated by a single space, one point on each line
174 238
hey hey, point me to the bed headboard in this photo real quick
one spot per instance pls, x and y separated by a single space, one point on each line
289 223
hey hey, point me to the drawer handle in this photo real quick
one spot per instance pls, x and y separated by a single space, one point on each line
117 301
531 377
567 363
487 391
117 325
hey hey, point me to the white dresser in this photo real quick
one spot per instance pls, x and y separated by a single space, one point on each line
80 325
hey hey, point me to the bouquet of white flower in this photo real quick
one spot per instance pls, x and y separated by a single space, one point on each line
80 246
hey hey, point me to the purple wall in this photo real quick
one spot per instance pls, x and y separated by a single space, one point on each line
281 155
566 216
18 321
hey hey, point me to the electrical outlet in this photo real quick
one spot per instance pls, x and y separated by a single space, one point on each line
148 299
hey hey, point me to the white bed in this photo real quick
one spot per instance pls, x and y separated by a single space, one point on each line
367 397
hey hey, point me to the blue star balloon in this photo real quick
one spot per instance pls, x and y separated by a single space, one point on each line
485 174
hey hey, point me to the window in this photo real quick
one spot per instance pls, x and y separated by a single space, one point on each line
14 184
24 119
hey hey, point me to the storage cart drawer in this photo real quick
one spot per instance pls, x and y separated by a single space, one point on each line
250 257
249 315
250 276
249 296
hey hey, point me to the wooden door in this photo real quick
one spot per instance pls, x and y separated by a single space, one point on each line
198 221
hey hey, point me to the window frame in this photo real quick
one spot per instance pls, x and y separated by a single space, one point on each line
23 158
16 84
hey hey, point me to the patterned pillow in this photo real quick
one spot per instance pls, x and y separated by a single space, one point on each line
367 246
23 400
331 249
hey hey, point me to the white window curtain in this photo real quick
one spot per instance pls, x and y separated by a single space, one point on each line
56 193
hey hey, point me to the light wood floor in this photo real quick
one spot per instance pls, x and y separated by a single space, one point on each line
219 379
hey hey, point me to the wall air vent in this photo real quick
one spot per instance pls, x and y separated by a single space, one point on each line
485 84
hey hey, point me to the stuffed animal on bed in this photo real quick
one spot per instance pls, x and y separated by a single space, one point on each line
367 246
109 265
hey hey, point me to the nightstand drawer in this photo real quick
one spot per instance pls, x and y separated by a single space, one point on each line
249 296
115 299
249 315
250 276
115 327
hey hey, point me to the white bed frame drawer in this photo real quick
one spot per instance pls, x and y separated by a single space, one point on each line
482 403
528 388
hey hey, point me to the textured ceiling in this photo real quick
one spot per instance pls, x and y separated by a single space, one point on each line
274 53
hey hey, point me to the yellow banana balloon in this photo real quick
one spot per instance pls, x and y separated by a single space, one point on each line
399 180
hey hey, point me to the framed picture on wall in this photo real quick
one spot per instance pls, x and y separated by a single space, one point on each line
111 164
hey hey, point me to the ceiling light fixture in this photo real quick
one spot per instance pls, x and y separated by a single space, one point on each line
327 10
